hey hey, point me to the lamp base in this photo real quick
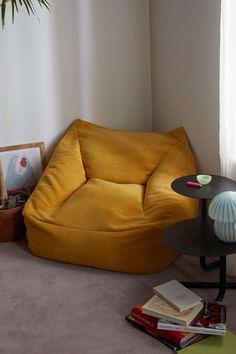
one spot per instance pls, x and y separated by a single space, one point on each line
225 231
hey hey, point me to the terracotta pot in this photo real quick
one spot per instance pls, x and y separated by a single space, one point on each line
12 225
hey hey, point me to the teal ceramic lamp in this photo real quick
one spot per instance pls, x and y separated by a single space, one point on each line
222 209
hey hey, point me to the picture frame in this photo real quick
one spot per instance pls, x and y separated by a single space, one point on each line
23 165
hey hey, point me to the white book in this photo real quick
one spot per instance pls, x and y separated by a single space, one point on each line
157 307
177 295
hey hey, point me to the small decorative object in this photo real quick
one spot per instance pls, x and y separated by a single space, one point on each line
193 184
222 209
20 168
23 165
204 179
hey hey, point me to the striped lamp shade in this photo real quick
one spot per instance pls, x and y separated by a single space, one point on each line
223 207
225 231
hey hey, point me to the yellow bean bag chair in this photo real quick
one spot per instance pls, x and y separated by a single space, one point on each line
105 198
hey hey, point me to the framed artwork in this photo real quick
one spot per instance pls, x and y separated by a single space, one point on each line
23 165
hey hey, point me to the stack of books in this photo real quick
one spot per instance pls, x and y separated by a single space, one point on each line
178 317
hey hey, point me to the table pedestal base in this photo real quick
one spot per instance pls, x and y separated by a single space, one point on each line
222 285
210 266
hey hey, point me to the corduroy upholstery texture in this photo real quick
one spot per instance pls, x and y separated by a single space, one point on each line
105 198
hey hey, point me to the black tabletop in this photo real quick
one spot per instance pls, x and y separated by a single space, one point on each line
197 238
217 185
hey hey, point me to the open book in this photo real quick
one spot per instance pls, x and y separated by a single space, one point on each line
211 320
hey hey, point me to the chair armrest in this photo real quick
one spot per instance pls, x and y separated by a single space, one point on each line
63 176
161 203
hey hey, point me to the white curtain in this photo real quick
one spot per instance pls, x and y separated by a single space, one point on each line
228 99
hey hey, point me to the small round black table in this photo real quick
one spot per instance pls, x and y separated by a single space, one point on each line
217 185
196 237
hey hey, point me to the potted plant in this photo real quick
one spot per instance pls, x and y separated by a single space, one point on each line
11 205
16 4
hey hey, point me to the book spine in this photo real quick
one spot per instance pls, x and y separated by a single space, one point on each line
168 344
146 320
164 317
195 339
139 326
152 324
201 330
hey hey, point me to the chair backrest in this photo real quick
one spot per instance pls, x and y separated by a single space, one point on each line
123 156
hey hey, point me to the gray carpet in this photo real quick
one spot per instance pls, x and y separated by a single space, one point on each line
54 308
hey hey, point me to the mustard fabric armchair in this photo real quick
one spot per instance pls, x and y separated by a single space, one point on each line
105 198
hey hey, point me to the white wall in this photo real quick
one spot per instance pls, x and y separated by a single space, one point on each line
91 58
86 58
185 38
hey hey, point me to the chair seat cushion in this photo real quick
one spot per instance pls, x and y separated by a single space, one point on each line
102 206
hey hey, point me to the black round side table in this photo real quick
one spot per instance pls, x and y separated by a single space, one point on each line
217 185
196 237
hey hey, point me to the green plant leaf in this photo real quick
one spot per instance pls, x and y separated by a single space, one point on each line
45 3
13 6
31 6
28 4
12 10
16 6
25 2
3 12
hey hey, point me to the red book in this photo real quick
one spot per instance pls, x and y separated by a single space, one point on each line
151 322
